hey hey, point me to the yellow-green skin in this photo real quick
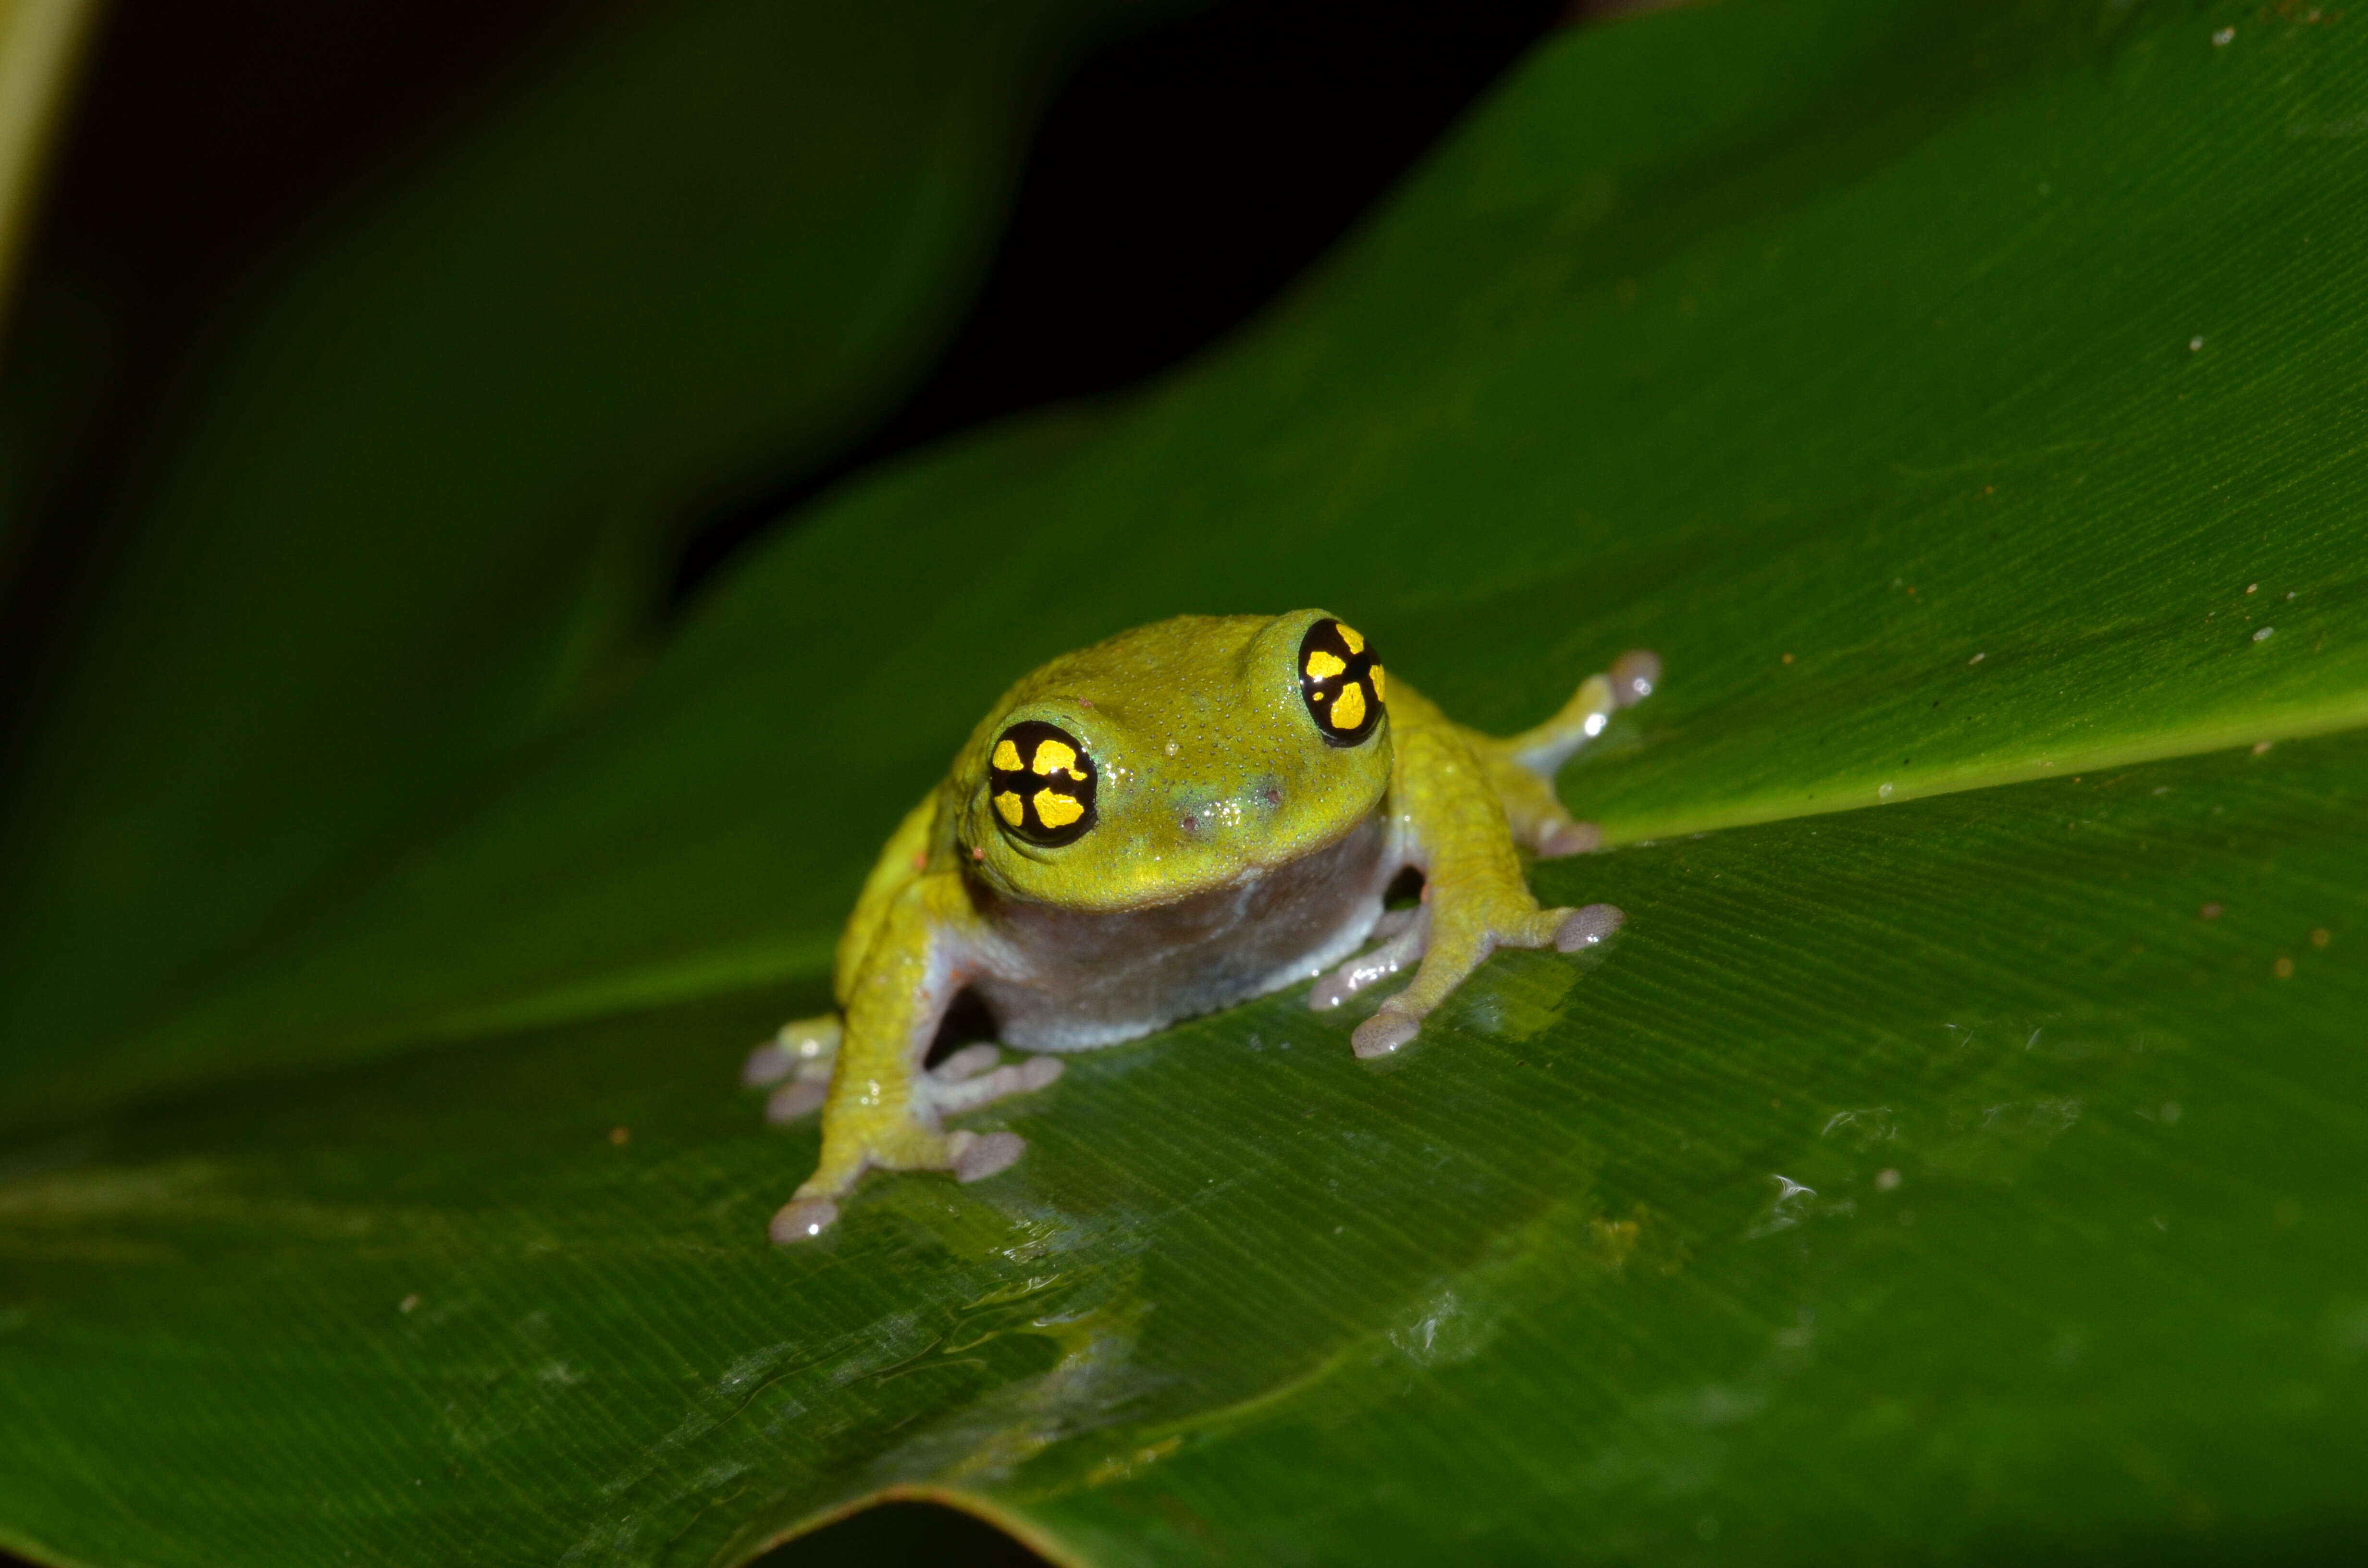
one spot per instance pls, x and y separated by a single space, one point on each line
1234 851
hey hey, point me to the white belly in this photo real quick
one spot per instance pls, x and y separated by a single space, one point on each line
1067 980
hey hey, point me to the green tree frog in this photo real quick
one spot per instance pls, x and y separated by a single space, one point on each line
1187 815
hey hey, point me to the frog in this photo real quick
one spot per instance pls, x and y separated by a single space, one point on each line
1174 820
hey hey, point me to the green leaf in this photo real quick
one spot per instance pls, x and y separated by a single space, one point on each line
1961 1175
411 500
1612 1259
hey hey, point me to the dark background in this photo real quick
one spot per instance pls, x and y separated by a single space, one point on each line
1184 175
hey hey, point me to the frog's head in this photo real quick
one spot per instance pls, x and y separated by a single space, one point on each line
1173 760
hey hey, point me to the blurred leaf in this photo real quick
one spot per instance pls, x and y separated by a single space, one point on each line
39 43
413 497
1976 1174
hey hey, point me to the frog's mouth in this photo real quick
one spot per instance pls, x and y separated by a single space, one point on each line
1317 885
1150 873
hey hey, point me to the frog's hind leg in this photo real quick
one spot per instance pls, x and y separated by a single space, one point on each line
1522 769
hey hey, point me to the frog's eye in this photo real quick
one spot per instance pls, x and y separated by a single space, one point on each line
1043 784
1340 682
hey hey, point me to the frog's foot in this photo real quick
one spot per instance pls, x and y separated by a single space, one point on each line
866 1135
803 1053
971 1157
1408 932
1461 941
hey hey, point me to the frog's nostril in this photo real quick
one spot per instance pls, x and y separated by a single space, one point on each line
1273 796
1192 823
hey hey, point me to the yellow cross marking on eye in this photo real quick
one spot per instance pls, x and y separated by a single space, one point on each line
1348 635
1010 805
1376 673
1007 755
1057 810
1349 711
1053 757
1322 666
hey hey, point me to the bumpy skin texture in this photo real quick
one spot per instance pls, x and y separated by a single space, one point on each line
1208 829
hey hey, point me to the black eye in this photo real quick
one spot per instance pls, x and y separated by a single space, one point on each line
1340 681
1042 787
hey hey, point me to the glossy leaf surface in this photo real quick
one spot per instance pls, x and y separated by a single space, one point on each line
1963 1175
1612 1261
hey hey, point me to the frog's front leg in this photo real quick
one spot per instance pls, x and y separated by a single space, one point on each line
1522 769
1475 898
882 1109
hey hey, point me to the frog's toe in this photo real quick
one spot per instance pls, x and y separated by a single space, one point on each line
769 1064
973 1088
800 1047
799 1097
1385 1032
1588 928
1366 969
978 1155
1567 837
967 1063
1634 674
802 1219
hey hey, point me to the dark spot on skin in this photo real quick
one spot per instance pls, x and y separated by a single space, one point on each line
1273 796
1192 823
